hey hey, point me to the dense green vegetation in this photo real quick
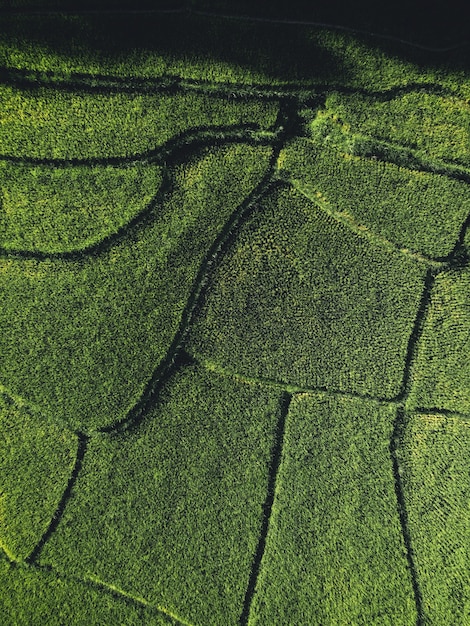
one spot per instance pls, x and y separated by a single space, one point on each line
434 456
433 124
415 210
107 321
441 374
330 537
299 291
234 316
181 496
50 209
31 597
36 461
45 123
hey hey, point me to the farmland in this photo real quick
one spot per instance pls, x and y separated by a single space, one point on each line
234 324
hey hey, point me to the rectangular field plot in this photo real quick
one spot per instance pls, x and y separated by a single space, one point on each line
434 457
441 372
171 510
335 553
301 299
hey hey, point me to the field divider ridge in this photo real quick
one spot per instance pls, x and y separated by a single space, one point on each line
363 231
276 458
289 388
56 517
399 428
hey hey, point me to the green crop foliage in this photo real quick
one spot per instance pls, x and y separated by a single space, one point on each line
414 210
171 511
234 315
434 125
36 461
50 209
109 319
37 597
441 375
302 299
434 459
334 553
54 124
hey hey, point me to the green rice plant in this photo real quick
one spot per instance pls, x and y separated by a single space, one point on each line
81 338
36 461
32 597
434 464
50 209
441 372
303 300
414 210
334 552
47 123
170 511
435 125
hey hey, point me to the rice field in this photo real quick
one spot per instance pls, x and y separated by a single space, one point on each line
235 310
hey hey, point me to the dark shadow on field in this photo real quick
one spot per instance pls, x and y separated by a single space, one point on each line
278 52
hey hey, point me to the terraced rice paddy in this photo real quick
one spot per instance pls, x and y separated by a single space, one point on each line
234 325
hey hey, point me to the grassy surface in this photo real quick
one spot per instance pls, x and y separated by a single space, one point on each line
330 537
110 319
434 458
181 495
289 205
298 292
50 209
36 462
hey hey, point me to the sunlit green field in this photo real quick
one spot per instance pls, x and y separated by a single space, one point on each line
234 325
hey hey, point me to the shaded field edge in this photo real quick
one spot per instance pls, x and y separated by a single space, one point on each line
396 439
276 456
81 451
186 11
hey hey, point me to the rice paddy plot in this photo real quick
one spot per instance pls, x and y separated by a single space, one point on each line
434 465
49 209
37 458
302 299
335 552
171 510
416 211
441 372
436 126
32 597
81 338
49 123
